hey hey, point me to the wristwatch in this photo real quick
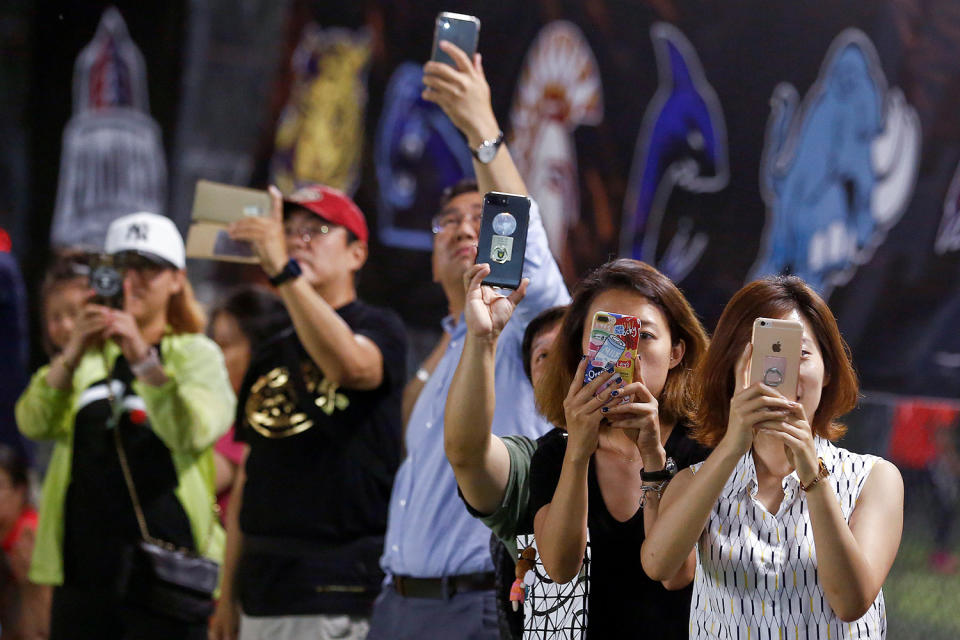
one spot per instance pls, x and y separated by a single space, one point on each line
487 150
290 271
668 471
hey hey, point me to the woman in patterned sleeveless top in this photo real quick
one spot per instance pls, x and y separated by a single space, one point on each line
795 536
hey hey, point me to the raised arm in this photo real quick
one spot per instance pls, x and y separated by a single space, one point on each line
345 358
853 558
196 404
464 95
642 414
479 459
560 526
686 505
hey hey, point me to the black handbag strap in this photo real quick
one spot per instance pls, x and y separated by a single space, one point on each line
125 467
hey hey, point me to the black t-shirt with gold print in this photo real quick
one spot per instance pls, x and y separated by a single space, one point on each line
319 473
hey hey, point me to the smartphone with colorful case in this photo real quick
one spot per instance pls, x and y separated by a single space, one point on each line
613 340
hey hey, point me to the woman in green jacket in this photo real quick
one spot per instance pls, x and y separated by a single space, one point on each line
148 371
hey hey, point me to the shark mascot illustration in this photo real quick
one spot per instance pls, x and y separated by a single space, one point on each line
837 170
417 152
682 144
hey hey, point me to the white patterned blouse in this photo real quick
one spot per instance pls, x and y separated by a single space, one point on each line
757 572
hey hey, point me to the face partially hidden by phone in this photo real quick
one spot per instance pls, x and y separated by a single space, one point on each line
455 246
655 348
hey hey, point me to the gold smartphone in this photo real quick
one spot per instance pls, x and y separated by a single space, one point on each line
776 354
215 206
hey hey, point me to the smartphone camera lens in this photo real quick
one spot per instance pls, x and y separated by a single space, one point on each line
762 323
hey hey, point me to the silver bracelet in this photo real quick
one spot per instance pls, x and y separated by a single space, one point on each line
656 487
149 363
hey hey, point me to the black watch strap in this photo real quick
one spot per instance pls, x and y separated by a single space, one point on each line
669 470
290 271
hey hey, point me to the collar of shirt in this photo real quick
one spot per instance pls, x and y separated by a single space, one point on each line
746 473
454 328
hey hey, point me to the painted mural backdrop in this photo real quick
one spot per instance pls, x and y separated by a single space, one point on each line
112 162
720 143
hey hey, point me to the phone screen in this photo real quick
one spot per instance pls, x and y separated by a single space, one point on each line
461 30
503 238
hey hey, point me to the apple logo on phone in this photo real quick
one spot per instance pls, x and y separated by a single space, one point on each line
776 347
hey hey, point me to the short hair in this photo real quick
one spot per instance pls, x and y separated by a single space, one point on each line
676 399
543 321
259 313
772 298
461 186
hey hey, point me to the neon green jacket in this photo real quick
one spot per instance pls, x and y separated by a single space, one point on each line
188 413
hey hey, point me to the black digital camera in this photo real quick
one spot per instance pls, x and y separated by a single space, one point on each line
106 280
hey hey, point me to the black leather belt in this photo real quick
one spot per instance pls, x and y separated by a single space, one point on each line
442 588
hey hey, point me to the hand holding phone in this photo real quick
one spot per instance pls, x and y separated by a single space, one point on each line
462 30
503 238
776 354
215 207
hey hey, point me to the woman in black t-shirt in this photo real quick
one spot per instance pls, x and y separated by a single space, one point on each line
590 476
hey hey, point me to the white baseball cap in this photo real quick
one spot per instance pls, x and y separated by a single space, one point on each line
147 234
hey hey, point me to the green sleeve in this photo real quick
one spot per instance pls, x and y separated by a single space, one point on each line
505 522
42 411
196 405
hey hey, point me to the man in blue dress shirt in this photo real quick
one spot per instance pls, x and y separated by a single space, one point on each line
440 581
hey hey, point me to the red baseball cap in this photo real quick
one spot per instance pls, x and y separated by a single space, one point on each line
332 205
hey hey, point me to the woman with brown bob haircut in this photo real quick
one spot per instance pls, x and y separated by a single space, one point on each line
588 477
792 532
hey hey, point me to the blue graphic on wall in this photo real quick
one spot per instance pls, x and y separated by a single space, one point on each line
682 144
418 152
948 236
837 170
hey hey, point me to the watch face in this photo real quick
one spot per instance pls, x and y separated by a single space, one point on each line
486 153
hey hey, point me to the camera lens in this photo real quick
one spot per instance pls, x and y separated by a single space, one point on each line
763 324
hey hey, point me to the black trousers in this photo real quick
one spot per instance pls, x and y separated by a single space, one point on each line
80 613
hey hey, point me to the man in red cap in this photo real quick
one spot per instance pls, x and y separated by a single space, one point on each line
320 411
